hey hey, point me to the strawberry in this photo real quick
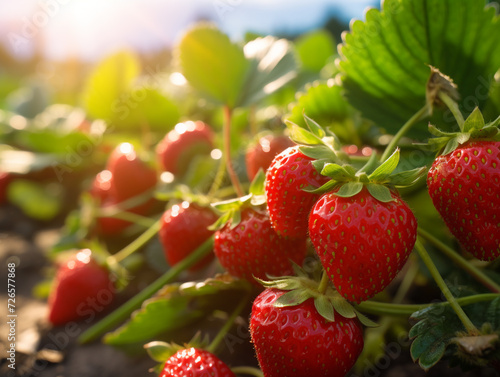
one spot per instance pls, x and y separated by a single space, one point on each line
362 242
81 288
131 175
296 341
465 189
260 155
290 172
194 362
5 179
176 150
252 248
184 227
101 186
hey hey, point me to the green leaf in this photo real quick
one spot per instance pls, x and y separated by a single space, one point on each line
349 189
493 314
213 64
314 127
110 80
384 60
302 136
315 49
474 121
380 192
36 200
324 308
323 101
381 173
273 63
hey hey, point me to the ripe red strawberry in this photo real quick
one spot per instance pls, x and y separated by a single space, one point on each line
131 175
101 186
176 150
288 205
194 362
362 242
82 288
465 188
184 227
296 341
253 248
260 155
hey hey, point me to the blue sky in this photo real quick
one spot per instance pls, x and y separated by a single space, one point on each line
93 28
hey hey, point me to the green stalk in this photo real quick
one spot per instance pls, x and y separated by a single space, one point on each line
418 116
453 106
323 284
460 261
226 131
251 371
136 244
124 311
405 310
129 216
444 288
219 178
227 326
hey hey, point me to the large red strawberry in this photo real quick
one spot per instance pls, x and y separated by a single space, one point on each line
176 150
465 188
82 288
194 362
296 341
131 175
261 155
184 227
362 242
288 205
253 249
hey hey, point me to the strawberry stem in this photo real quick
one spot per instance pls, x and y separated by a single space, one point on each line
453 106
469 326
475 272
384 308
129 216
418 116
226 130
251 371
124 311
227 326
219 178
323 284
136 244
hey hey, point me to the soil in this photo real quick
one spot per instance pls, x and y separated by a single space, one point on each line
53 352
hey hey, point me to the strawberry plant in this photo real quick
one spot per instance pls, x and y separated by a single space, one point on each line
335 201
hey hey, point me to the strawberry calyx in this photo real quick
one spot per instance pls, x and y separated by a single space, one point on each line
302 287
473 128
231 209
379 179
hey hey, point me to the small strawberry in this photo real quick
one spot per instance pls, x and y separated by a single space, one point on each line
252 248
260 155
297 341
194 362
5 179
290 172
131 175
362 242
184 227
464 184
176 150
81 288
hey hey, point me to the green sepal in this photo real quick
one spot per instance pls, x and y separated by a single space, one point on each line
380 192
408 178
315 128
433 130
325 308
342 307
328 186
286 283
349 189
221 221
302 136
258 184
381 173
339 173
318 152
474 121
161 351
487 132
365 320
292 298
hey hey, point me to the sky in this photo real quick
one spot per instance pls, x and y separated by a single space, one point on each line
90 29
